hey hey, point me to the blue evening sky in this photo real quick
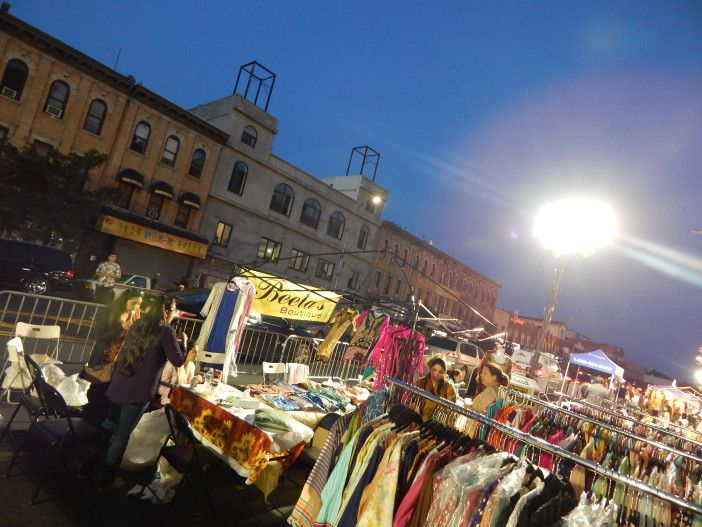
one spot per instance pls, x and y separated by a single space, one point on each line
482 111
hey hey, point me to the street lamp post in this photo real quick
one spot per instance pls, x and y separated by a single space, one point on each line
375 200
575 226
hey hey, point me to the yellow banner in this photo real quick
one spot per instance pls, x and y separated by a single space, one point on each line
139 233
278 297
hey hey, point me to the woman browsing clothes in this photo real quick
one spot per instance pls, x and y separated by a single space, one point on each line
149 344
435 382
491 378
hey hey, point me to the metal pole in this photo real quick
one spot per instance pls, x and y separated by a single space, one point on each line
548 314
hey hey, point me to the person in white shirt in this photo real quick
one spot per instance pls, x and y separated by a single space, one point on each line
181 375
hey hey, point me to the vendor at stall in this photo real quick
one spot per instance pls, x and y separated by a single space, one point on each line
435 382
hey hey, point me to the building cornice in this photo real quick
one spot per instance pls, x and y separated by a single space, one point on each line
127 85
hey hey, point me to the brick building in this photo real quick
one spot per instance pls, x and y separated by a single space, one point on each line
444 284
160 157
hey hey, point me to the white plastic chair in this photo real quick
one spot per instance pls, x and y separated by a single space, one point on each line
16 375
273 368
33 331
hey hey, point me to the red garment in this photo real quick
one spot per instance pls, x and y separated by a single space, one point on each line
546 459
399 353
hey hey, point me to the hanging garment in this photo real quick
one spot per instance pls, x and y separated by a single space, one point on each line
368 326
339 321
399 353
220 327
225 358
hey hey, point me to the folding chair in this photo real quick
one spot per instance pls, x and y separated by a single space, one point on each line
59 432
185 455
34 405
16 374
271 368
34 331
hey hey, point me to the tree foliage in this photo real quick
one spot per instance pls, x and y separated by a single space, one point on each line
43 194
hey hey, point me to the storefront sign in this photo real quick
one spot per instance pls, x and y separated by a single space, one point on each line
280 298
148 236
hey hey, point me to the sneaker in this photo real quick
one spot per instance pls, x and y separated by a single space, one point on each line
118 483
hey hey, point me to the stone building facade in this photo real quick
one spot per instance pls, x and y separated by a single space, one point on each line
265 213
160 157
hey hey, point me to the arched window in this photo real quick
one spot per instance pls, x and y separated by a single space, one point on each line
56 101
385 245
96 117
362 237
282 200
14 78
141 137
311 212
424 267
238 179
170 151
197 163
394 249
249 136
404 258
336 224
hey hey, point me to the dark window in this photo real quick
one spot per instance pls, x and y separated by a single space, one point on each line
4 132
123 195
394 250
268 250
299 261
42 148
197 163
388 283
336 224
370 207
404 258
282 199
154 206
249 136
385 245
398 286
141 137
222 234
424 267
416 263
13 79
325 270
56 100
238 179
311 211
170 151
378 277
353 280
182 215
433 269
96 117
362 237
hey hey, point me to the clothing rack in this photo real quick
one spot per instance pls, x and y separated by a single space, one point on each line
661 446
642 415
628 418
548 447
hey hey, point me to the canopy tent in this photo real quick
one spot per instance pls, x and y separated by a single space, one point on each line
596 360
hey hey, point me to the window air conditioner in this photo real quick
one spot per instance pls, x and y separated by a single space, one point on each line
53 111
9 92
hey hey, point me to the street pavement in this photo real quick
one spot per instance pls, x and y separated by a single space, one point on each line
67 501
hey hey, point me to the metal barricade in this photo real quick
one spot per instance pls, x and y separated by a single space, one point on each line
303 350
75 318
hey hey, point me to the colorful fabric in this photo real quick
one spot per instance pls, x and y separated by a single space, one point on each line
369 326
310 502
249 446
399 352
220 327
340 321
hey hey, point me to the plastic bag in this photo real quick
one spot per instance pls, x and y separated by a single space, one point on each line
53 374
146 441
74 390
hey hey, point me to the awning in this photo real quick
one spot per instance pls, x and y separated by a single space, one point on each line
162 188
131 177
189 199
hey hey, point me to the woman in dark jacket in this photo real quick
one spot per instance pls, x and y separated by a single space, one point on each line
149 344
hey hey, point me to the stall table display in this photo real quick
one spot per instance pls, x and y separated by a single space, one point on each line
258 443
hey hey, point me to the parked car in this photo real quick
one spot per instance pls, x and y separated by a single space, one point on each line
86 287
37 269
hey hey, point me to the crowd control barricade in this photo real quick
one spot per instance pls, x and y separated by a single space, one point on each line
303 350
74 317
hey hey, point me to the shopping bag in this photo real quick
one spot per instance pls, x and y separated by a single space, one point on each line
74 390
146 441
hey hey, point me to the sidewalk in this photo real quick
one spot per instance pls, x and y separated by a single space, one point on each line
68 502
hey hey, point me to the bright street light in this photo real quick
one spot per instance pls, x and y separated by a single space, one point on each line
698 376
572 226
575 226
376 200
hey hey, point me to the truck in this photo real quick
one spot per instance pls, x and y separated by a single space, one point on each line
86 287
548 367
